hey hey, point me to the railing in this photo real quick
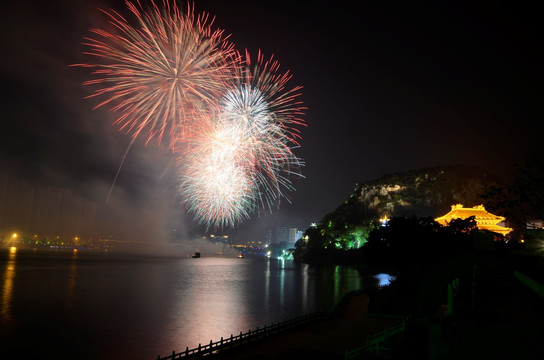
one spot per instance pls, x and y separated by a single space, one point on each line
531 283
374 343
243 338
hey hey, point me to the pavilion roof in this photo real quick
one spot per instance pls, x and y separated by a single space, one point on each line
484 219
478 211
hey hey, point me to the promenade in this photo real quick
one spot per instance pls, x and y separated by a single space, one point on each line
324 339
505 323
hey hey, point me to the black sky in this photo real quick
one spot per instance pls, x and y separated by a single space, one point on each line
389 86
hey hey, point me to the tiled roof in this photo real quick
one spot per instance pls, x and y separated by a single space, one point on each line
484 219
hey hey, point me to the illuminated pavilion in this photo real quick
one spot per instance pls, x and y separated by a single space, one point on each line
484 219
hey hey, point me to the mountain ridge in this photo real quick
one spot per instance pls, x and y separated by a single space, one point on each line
424 192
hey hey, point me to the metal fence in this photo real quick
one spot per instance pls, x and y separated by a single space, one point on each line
243 338
375 343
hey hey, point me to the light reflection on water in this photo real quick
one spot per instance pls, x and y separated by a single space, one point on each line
127 306
72 277
210 296
7 288
383 279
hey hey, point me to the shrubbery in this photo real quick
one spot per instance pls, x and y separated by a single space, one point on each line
404 241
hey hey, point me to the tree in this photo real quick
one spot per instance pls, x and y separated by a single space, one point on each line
457 227
524 198
344 230
403 242
408 242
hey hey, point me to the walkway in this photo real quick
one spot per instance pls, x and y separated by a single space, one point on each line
507 324
327 339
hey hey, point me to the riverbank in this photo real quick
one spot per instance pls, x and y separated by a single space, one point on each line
494 316
323 339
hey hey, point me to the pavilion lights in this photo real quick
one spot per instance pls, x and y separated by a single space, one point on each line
484 219
384 220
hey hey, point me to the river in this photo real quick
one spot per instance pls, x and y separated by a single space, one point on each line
69 304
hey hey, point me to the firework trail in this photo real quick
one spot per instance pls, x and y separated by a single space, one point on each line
163 73
242 158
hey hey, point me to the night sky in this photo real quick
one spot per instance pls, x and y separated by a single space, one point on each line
389 86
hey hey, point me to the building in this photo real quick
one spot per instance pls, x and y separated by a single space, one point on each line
534 224
279 235
484 219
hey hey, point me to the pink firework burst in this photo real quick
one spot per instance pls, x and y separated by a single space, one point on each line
161 73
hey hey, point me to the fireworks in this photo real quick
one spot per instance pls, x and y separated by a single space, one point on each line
216 182
161 74
243 158
234 119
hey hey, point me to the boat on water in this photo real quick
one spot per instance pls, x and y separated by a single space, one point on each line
196 255
240 255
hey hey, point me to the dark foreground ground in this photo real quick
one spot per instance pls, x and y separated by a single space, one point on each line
502 319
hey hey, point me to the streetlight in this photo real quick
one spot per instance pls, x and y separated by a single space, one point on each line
14 239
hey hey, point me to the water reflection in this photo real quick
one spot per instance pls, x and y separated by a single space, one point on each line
286 285
383 279
153 305
303 288
305 280
72 278
212 293
345 280
267 284
7 289
281 270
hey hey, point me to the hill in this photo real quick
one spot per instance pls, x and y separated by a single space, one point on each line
424 192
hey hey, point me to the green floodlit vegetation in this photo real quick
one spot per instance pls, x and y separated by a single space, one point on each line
402 240
453 283
345 229
457 286
356 233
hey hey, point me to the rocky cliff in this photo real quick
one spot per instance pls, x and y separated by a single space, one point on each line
424 192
